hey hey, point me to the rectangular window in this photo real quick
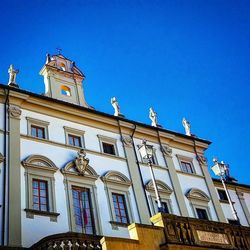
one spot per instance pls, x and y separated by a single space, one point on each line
164 205
37 131
120 208
222 195
82 210
108 148
187 167
74 140
202 213
40 195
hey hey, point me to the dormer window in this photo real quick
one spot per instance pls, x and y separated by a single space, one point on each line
65 90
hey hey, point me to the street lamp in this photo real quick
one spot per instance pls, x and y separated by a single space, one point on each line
220 170
146 152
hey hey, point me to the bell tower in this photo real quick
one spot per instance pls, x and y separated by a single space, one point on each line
63 80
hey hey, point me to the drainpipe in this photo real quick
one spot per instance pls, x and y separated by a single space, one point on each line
6 121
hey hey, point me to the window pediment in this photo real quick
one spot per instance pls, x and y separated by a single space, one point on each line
197 194
39 162
161 186
116 177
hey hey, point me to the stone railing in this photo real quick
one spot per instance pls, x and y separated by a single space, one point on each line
194 232
69 240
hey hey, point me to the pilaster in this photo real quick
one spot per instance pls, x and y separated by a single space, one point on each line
136 180
14 216
243 205
217 206
167 153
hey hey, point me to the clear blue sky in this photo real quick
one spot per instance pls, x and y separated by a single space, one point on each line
184 58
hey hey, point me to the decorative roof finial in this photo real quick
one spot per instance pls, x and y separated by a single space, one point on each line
116 107
12 76
186 125
59 50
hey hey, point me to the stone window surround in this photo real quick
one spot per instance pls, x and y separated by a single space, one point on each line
84 181
198 199
75 132
41 168
116 182
108 140
187 159
39 123
165 193
145 161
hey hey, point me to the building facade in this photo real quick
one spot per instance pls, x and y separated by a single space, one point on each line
65 167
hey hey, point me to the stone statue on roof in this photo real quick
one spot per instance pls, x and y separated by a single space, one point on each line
153 117
186 125
12 75
116 106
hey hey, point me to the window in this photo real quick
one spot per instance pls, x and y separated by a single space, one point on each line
199 201
37 128
186 167
81 197
38 132
40 187
164 205
117 187
74 140
202 213
40 195
74 137
108 145
165 193
82 210
222 195
233 222
186 164
65 90
153 159
120 208
108 148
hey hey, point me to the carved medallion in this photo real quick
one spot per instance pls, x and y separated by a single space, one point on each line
127 140
81 162
14 111
202 159
166 150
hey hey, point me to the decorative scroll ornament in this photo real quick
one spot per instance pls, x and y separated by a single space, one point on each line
15 111
81 162
201 159
127 140
166 150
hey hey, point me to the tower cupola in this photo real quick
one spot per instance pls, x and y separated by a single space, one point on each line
63 80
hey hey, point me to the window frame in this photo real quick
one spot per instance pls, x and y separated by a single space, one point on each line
203 209
199 199
108 140
74 179
116 182
222 200
38 167
117 195
186 159
39 124
154 158
74 132
165 193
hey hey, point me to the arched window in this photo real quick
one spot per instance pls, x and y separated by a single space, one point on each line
65 90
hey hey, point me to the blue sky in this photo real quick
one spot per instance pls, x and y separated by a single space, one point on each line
183 58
